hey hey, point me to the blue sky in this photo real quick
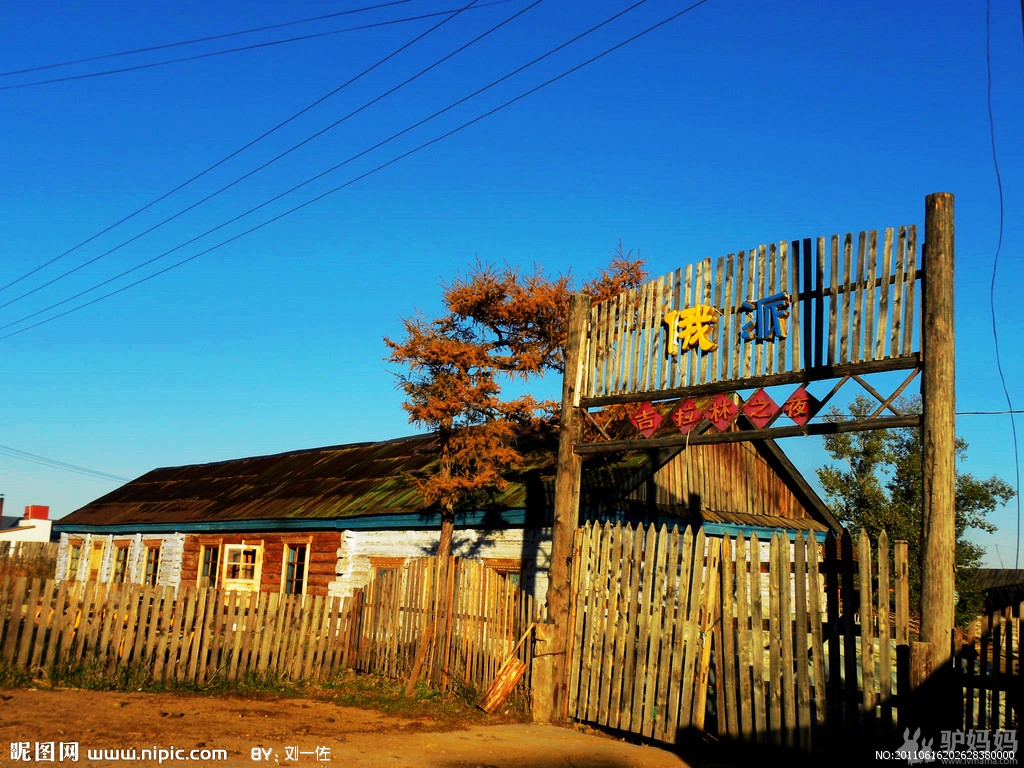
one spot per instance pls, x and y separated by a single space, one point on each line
738 123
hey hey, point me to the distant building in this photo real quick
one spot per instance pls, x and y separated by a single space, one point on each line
34 525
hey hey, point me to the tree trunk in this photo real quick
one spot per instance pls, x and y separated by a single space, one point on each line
444 546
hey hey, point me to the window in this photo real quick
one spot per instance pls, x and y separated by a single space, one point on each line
74 560
209 569
385 565
120 564
294 569
506 566
242 566
152 564
95 560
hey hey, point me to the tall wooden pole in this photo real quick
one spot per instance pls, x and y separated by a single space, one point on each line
938 395
549 696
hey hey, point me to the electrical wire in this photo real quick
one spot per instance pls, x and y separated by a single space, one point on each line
207 39
995 266
372 171
254 46
223 160
14 453
267 163
317 176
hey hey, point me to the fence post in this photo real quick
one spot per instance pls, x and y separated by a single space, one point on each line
551 674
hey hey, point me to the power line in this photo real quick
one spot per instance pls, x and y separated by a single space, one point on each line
210 54
310 180
14 453
264 165
373 170
217 164
995 264
987 413
207 39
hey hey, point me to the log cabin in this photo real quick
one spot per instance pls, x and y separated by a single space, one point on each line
321 521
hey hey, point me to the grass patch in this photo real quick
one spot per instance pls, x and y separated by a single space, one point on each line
435 709
445 709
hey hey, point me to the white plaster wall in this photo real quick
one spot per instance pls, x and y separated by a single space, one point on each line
28 530
353 569
172 547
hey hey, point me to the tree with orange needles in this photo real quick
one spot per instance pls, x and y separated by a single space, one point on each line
500 325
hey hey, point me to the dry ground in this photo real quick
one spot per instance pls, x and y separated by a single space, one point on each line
352 737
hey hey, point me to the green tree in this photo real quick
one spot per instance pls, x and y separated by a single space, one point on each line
879 486
500 325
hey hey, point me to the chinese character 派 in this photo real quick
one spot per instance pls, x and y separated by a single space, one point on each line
769 318
691 328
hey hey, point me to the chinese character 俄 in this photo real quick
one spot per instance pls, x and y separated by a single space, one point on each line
691 328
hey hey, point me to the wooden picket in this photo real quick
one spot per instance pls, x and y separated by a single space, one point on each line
206 635
988 660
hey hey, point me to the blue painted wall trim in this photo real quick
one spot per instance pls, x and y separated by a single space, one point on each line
405 522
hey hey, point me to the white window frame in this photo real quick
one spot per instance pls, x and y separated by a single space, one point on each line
236 551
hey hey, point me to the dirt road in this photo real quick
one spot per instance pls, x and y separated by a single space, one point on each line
181 730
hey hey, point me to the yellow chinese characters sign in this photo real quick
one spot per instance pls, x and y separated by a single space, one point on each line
691 328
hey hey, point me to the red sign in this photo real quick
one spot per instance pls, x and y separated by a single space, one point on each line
722 412
687 416
760 408
800 406
647 420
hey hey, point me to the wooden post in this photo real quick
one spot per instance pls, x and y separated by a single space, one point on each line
938 697
938 396
551 645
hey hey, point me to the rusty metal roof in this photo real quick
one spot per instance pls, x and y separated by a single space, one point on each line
318 483
350 481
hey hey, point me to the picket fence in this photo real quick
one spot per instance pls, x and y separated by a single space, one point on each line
771 643
988 660
27 558
460 634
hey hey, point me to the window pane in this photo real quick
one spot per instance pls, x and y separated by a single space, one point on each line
209 573
295 569
120 564
152 564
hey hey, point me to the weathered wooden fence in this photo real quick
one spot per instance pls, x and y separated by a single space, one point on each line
768 642
28 558
988 660
202 635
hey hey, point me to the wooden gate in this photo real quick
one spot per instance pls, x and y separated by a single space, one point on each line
784 642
